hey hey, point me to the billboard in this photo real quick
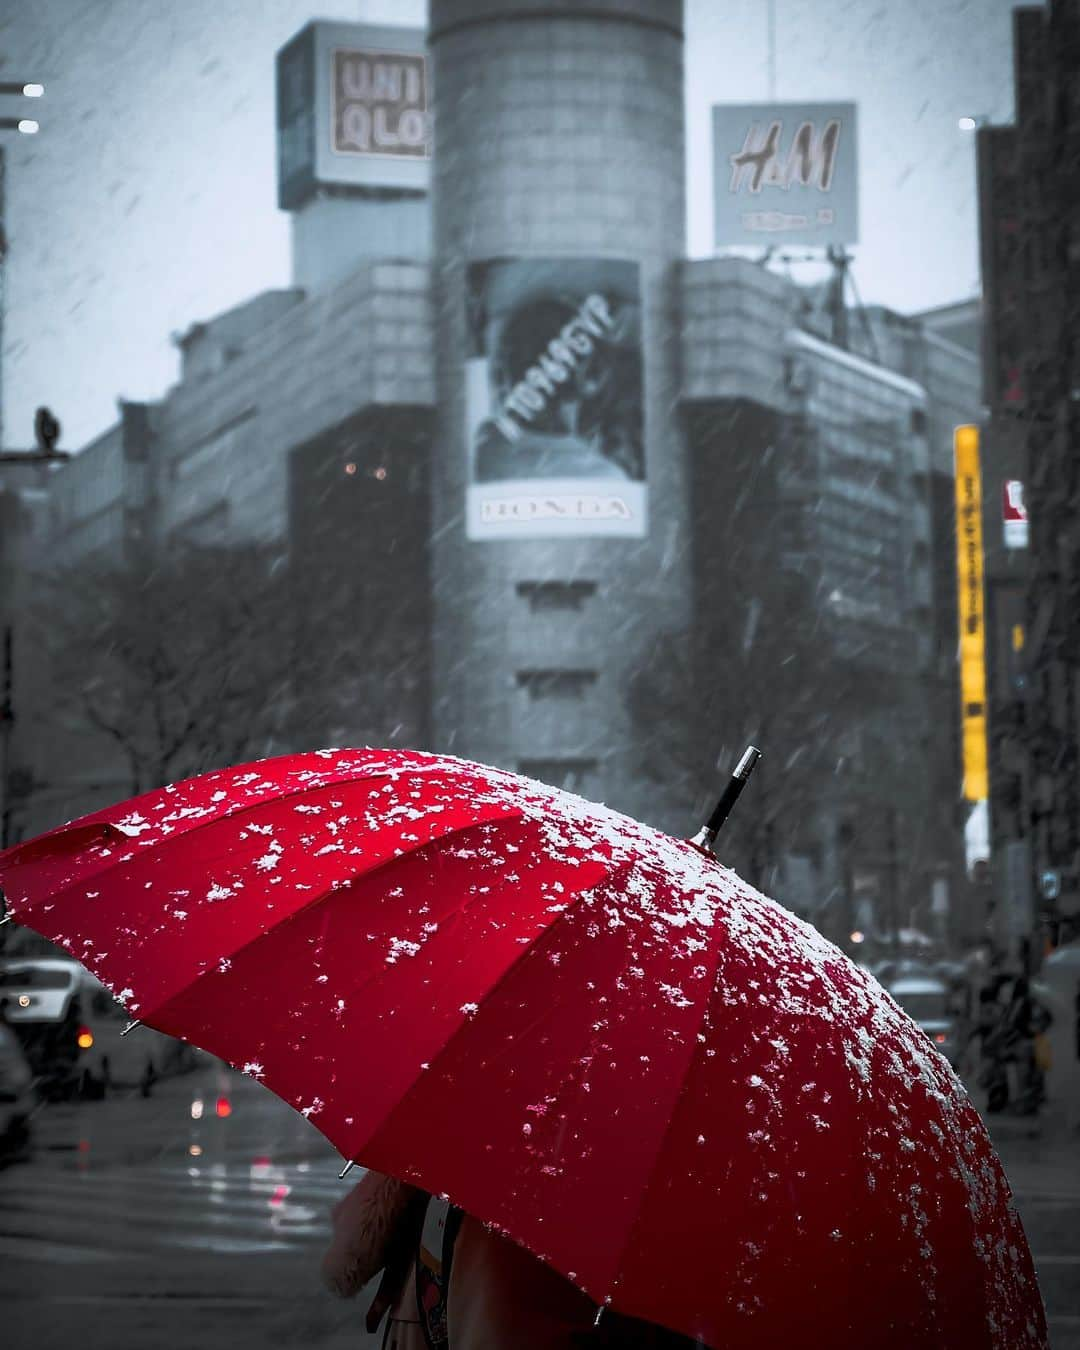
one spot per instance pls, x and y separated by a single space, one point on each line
352 110
554 421
1014 514
971 612
784 173
379 103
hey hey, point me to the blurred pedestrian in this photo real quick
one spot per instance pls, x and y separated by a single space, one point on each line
1026 1022
988 1040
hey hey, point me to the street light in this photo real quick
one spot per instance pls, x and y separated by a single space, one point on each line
27 126
970 123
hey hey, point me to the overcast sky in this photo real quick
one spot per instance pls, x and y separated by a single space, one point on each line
148 201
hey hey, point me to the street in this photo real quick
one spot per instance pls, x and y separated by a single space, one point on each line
1044 1172
137 1225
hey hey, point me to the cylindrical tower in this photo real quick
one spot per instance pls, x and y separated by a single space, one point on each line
559 531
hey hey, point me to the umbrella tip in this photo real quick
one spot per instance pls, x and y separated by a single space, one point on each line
130 1027
706 836
346 1170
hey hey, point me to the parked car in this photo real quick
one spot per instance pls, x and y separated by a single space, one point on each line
43 1010
70 1027
926 1000
18 1096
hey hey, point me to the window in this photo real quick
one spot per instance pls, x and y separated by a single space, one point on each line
556 683
36 977
543 595
561 773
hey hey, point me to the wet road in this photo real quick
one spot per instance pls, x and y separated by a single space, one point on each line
1043 1166
138 1225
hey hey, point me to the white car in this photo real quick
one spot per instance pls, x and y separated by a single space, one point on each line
71 1028
18 1097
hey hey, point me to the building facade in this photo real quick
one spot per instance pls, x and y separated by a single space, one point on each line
591 511
543 605
824 572
1030 234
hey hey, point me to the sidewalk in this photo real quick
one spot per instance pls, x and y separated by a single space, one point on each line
1039 1159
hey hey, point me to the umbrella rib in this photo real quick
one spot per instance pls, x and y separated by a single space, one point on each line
339 885
679 1097
21 853
505 975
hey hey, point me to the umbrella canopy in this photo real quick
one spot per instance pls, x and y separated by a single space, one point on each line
584 1032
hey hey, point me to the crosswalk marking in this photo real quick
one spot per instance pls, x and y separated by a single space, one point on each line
64 1214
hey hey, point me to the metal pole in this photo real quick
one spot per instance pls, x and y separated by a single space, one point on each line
894 880
772 49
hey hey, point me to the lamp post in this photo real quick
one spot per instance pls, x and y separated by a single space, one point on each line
26 126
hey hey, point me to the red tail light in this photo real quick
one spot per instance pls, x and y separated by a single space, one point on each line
223 1107
940 1038
85 1038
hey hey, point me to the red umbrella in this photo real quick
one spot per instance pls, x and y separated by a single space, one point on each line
584 1032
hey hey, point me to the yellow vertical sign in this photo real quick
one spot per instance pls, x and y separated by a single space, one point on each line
971 612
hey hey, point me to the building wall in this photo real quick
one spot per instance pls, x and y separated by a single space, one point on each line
587 162
735 316
1028 185
333 235
223 439
812 530
359 508
209 466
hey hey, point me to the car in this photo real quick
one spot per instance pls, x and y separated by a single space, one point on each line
71 1028
42 999
114 1060
927 1000
18 1097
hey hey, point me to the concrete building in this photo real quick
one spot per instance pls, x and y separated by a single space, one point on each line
821 485
273 395
1029 190
24 495
628 510
539 624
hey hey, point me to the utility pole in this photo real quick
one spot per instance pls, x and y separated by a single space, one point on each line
893 865
835 302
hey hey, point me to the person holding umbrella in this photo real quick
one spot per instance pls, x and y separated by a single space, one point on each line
480 1291
590 1036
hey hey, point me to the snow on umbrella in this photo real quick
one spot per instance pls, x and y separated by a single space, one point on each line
584 1032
